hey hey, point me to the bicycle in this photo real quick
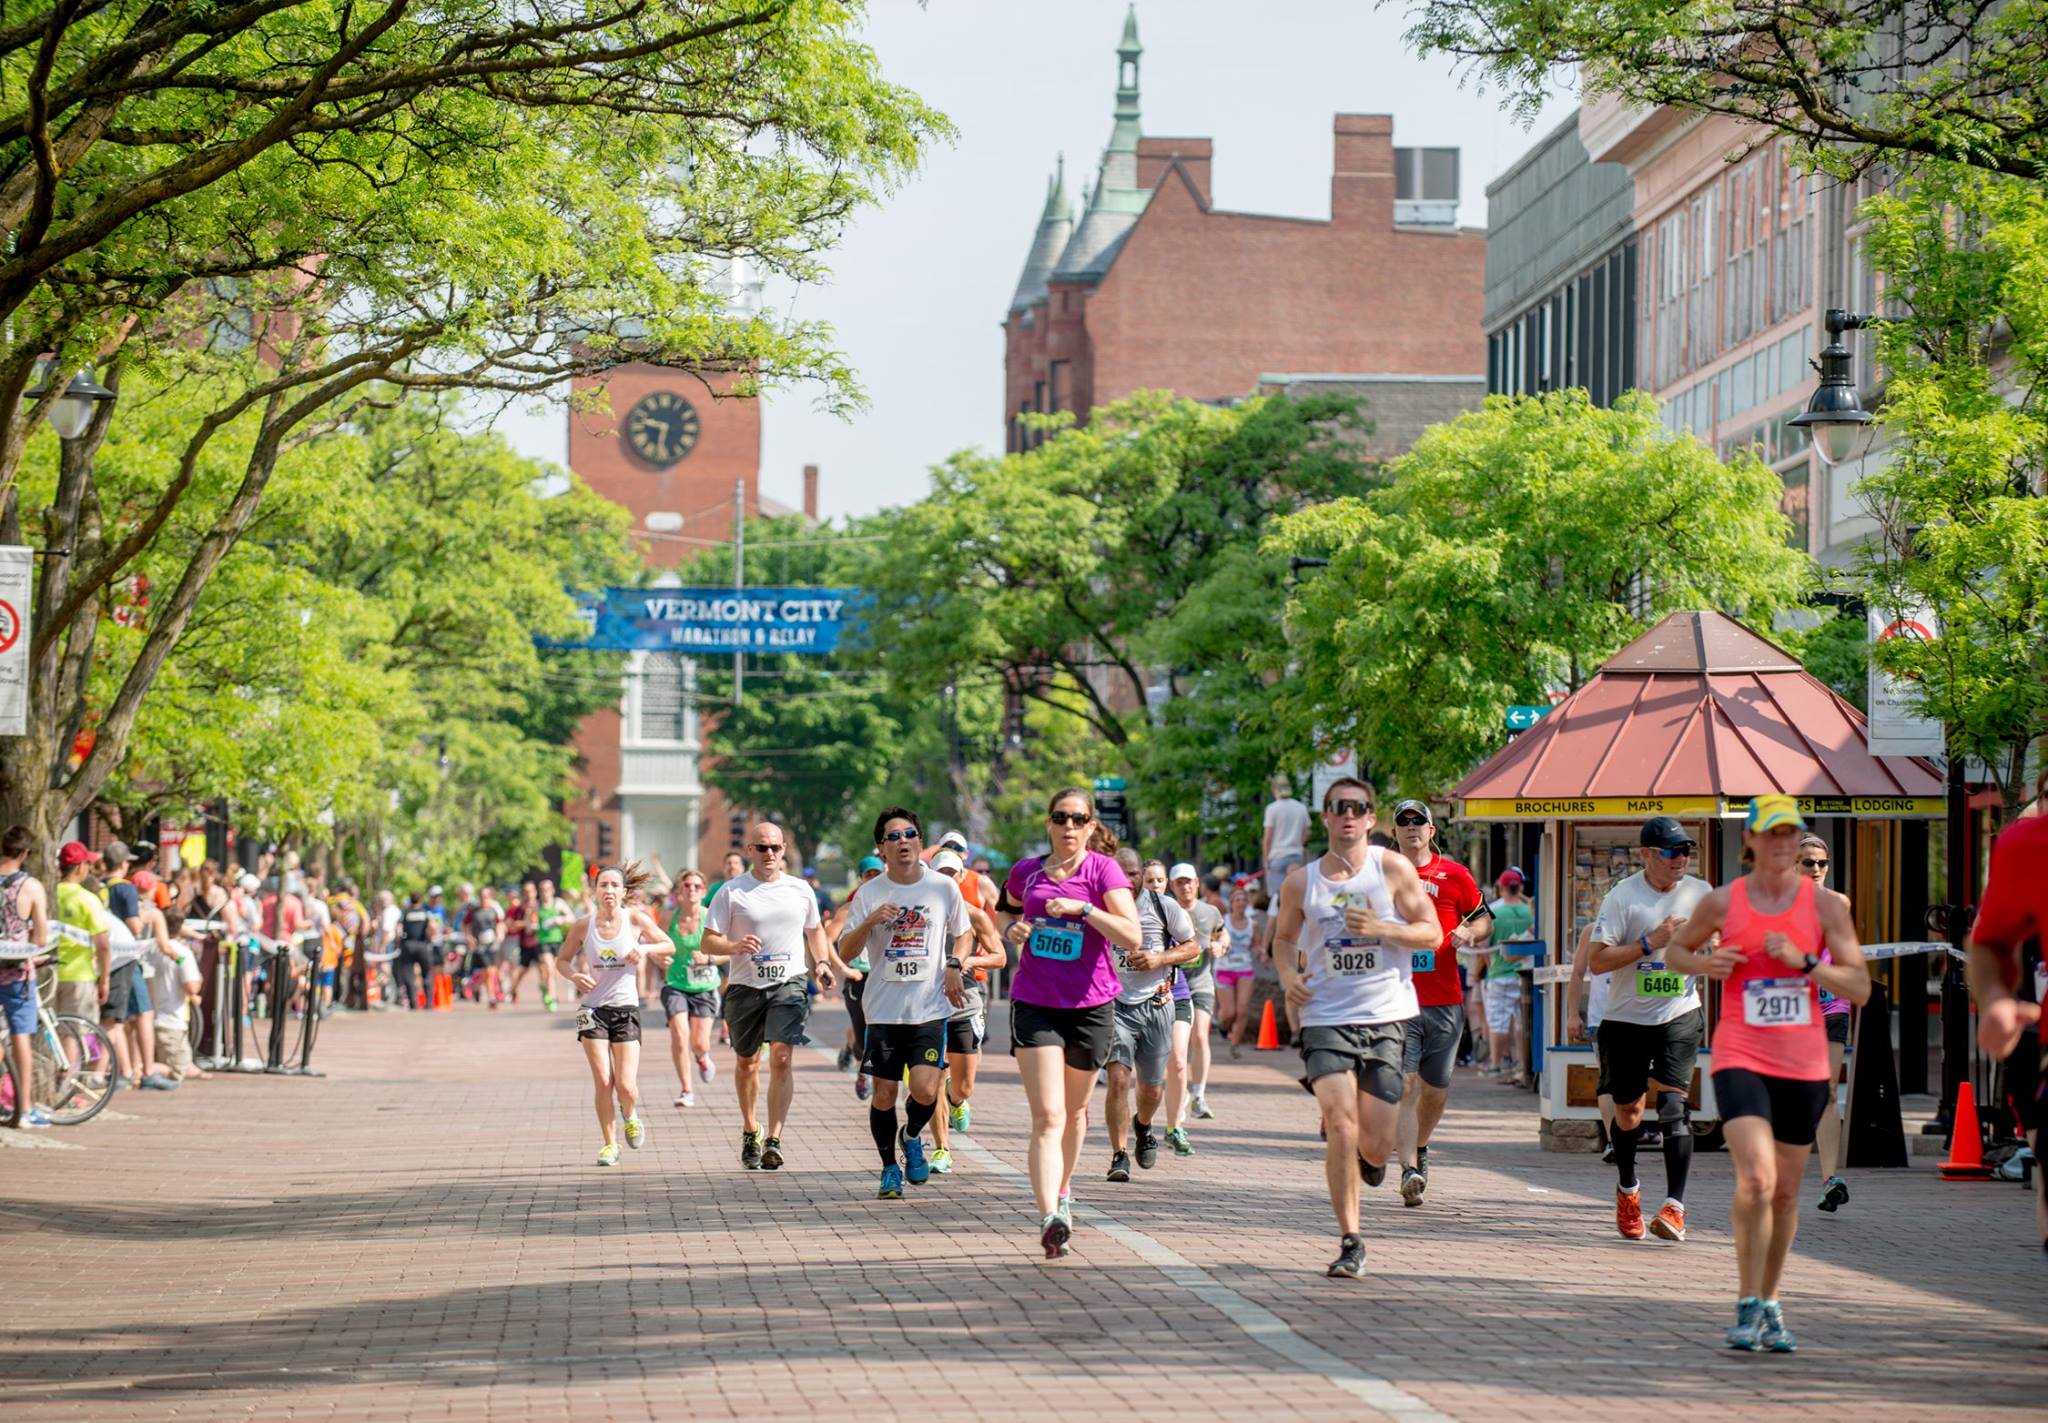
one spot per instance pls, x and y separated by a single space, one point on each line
71 1058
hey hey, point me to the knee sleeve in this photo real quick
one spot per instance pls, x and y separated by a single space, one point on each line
1382 1080
1671 1111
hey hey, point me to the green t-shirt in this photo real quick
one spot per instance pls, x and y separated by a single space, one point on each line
81 909
684 971
1510 921
552 923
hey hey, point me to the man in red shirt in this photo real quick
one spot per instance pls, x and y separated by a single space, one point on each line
2014 910
1434 1033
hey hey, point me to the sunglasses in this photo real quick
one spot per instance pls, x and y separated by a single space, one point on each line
768 849
1683 852
1813 864
1411 821
890 837
1348 807
1069 817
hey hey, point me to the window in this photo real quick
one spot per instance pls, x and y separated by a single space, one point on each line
666 692
1061 390
1427 174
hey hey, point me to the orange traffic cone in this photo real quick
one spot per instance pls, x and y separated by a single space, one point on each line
1966 1145
1269 1035
444 993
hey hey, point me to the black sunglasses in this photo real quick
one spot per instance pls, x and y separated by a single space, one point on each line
1348 806
1410 821
1683 852
1069 817
769 849
1813 864
892 836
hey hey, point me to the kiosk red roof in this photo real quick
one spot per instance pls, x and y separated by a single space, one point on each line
1698 706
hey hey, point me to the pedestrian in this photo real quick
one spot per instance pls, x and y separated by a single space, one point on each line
24 919
1835 1015
1286 837
1771 1075
1514 921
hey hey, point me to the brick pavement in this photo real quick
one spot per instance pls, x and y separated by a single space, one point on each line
422 1234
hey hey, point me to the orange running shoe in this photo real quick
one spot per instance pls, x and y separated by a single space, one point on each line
1628 1213
1669 1222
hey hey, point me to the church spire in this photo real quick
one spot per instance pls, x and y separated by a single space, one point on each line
1124 137
1055 225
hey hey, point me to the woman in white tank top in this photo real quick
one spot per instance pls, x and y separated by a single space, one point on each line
604 953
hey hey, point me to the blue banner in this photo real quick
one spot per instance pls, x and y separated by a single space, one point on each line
712 620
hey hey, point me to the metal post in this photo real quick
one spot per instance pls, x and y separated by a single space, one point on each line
739 578
1955 995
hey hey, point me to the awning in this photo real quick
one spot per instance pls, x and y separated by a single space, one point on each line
1693 718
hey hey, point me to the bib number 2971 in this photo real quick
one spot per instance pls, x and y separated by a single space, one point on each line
1777 1003
1055 939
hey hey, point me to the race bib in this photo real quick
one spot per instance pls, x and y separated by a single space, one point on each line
1354 958
771 969
586 1020
1653 980
1423 961
907 964
1055 939
1776 1003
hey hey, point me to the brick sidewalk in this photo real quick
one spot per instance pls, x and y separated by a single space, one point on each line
423 1234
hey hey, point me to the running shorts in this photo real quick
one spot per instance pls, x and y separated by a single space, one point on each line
1083 1033
1204 1000
1370 1052
1791 1105
1836 1026
758 1015
889 1048
610 1025
856 1014
964 1036
128 994
1429 1042
1143 1039
1184 1010
681 1003
529 955
1633 1055
1231 977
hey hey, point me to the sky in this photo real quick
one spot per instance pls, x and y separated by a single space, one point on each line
921 284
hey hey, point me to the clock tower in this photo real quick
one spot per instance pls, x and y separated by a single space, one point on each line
671 447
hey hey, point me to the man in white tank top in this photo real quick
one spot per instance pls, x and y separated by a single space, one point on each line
1348 925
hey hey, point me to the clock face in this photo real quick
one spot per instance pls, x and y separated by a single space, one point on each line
661 429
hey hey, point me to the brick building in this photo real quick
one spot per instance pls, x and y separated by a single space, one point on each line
1155 287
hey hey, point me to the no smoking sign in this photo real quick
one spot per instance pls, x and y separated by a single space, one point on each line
10 625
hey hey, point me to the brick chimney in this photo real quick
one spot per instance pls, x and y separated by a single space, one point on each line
1362 183
811 492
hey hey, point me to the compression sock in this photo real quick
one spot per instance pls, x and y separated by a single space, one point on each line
1677 1160
917 1116
1625 1139
882 1126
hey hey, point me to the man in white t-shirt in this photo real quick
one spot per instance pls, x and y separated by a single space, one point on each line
1286 840
765 924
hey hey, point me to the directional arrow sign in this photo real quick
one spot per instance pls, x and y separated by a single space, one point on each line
1522 718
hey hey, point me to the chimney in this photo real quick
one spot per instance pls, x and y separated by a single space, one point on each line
811 492
1362 177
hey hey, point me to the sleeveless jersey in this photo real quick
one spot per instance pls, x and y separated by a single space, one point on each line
1770 1013
1353 979
618 977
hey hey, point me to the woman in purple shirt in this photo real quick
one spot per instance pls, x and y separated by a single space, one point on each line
1071 904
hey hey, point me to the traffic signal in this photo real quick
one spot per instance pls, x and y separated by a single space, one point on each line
604 839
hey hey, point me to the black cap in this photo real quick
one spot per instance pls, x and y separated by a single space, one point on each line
1661 832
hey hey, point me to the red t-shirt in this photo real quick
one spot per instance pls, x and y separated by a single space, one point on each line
1456 894
2015 904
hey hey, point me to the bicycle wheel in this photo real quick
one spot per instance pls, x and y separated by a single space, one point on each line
76 1069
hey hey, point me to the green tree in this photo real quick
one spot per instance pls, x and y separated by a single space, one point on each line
1962 528
1515 548
1056 749
1859 82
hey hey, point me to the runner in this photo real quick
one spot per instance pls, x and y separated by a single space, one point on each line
1071 904
1237 971
1142 1045
1834 1015
1583 1015
1770 1049
967 1029
689 989
854 986
1430 1049
551 920
765 924
493 949
1198 978
1181 1001
1348 927
604 953
917 922
1650 1037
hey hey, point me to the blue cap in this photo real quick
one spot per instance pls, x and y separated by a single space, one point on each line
871 862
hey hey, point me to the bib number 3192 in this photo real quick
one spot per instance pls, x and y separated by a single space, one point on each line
1777 1003
1055 939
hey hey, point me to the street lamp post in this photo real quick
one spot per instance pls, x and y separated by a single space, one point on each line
72 412
1835 417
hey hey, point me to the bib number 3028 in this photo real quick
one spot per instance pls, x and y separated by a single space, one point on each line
1777 1003
1353 958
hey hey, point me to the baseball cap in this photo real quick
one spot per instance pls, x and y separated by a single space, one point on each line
1414 805
143 881
1662 832
117 853
1768 812
810 871
871 862
948 860
1183 870
74 852
433 890
248 883
1513 875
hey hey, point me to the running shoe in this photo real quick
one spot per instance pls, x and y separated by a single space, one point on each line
34 1119
891 1188
1120 1166
1350 1261
608 1154
1747 1331
771 1154
1370 1174
844 1062
750 1150
1652 1139
1053 1234
1628 1213
942 1161
1177 1138
686 1099
547 1002
1834 1193
1413 1185
960 1117
1063 1207
1198 1106
1669 1222
916 1169
1422 1161
636 1135
1148 1149
861 1088
706 1068
1771 1331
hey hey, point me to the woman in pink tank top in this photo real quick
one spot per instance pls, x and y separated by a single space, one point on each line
1770 1052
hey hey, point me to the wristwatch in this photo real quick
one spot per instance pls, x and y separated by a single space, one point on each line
952 962
1812 963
